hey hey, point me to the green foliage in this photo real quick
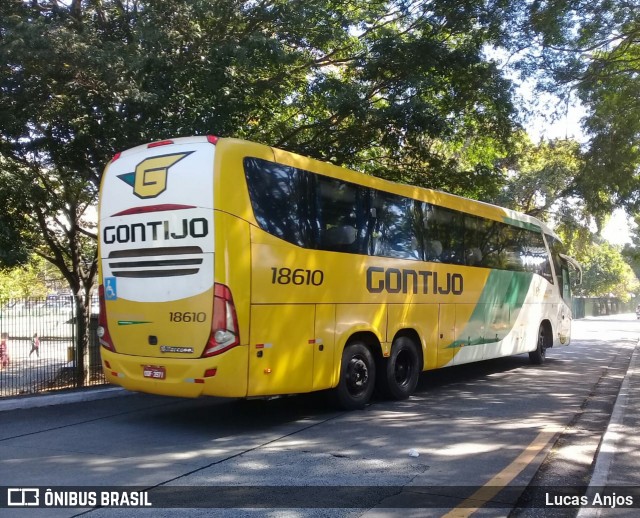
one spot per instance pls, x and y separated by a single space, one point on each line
398 89
589 50
402 90
24 281
631 251
542 182
405 95
334 80
541 179
610 89
606 272
14 245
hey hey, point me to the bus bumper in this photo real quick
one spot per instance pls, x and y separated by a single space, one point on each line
224 375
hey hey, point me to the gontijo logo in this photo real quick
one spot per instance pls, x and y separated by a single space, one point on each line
150 177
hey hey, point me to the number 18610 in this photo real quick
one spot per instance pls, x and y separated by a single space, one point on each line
298 277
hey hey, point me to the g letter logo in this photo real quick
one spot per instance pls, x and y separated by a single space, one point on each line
150 177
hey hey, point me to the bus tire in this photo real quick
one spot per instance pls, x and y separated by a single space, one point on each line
538 356
357 377
398 375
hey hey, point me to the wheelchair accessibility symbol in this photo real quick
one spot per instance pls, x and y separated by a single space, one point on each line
110 289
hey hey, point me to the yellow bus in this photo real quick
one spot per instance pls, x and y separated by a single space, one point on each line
229 268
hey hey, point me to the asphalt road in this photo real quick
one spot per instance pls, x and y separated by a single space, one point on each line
467 433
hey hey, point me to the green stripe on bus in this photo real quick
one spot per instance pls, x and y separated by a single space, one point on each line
522 224
497 309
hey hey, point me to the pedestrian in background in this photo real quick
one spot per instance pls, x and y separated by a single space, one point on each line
35 345
4 350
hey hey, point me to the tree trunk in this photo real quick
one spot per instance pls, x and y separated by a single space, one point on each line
83 328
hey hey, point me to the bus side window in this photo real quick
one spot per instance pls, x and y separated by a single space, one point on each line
445 232
535 256
514 239
341 215
477 236
394 231
282 200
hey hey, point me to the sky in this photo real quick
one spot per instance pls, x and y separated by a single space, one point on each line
564 127
617 229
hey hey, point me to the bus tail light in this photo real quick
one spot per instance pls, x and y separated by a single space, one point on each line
160 143
224 323
103 329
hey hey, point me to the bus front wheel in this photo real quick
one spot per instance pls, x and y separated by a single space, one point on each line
398 374
357 377
538 356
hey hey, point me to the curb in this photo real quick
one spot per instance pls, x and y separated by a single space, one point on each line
611 438
23 402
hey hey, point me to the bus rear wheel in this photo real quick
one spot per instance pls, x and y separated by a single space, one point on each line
538 356
357 377
398 374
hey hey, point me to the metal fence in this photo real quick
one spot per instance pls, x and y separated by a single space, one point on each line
600 306
27 370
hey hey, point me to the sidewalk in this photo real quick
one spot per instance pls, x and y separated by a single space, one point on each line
71 396
618 459
29 375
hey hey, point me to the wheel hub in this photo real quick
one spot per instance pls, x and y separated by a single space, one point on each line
358 375
402 369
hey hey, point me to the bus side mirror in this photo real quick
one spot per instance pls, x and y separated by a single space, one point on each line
576 278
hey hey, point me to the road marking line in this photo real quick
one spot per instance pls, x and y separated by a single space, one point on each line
502 479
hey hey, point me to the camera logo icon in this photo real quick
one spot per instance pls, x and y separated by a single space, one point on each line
23 497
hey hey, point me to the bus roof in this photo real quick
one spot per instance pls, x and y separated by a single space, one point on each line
435 197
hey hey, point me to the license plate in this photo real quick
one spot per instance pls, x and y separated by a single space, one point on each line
152 371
